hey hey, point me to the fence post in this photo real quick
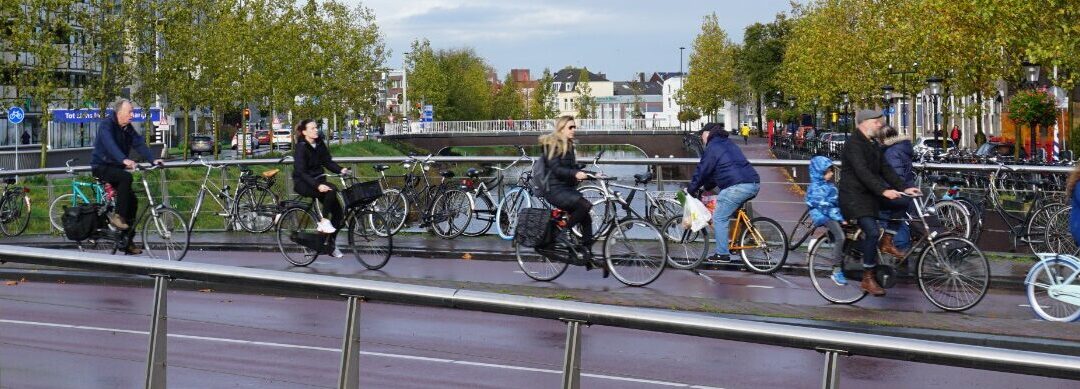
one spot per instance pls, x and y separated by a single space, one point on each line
571 378
155 361
349 373
830 379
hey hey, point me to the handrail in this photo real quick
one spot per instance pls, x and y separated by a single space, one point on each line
831 342
608 161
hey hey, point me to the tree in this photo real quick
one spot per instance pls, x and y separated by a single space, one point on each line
542 105
711 78
585 103
1034 108
454 81
508 102
760 58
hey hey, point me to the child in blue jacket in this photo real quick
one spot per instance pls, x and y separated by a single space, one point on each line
822 198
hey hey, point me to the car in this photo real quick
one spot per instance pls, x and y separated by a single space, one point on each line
264 137
282 139
998 149
202 144
247 138
924 144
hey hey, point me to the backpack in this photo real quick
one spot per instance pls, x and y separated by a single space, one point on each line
79 221
540 175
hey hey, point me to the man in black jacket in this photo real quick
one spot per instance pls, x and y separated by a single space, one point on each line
866 182
109 162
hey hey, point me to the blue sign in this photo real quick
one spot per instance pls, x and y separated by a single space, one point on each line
93 115
888 111
428 114
15 115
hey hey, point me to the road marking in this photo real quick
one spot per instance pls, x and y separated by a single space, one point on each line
369 353
760 286
519 272
784 280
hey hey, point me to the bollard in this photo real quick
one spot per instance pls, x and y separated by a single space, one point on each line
349 373
155 361
571 378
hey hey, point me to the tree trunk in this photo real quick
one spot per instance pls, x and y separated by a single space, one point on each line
1018 143
980 137
185 142
760 124
1034 141
44 138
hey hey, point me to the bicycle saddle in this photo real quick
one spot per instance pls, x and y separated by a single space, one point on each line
472 173
446 174
643 178
270 173
381 168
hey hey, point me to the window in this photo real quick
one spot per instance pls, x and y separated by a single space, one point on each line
569 87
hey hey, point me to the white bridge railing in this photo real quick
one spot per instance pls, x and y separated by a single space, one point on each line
487 127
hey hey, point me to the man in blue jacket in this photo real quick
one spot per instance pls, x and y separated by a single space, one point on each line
725 168
110 163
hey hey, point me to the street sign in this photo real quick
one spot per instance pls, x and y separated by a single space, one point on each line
428 114
15 115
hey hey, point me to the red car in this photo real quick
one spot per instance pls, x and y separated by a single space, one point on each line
263 137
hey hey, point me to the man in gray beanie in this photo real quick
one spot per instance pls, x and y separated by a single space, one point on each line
867 181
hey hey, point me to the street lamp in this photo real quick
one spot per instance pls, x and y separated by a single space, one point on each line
816 102
934 85
1031 71
404 87
904 82
680 60
887 92
846 100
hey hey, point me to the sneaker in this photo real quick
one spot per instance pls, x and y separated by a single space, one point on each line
720 258
325 226
133 250
117 221
337 253
838 277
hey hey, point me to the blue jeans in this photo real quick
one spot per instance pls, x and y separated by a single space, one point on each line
727 202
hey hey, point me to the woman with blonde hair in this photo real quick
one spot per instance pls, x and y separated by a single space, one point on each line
563 176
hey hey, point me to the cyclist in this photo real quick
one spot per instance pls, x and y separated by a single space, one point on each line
310 157
868 181
1074 214
900 156
109 162
723 167
563 176
823 200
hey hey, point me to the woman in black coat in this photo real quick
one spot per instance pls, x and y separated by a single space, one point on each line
563 176
310 157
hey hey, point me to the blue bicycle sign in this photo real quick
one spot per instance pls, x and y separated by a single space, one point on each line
15 115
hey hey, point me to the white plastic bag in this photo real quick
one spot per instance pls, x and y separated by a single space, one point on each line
695 215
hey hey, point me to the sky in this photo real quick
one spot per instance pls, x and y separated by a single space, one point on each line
617 38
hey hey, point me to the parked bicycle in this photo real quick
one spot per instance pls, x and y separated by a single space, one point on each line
519 196
251 206
443 208
951 271
369 235
14 208
484 204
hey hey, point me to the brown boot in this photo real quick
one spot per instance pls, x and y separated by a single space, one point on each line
870 285
886 246
133 250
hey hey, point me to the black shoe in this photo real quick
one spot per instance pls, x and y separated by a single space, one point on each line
132 250
720 258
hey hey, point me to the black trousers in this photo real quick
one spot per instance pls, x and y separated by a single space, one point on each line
120 179
329 203
573 202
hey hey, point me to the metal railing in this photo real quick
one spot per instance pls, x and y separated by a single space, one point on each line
830 342
493 127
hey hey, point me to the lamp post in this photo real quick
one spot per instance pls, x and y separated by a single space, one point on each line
934 86
887 92
404 87
1031 80
816 102
846 100
794 118
681 60
903 80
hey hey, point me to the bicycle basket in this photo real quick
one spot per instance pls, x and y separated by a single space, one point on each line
318 242
361 194
534 227
79 221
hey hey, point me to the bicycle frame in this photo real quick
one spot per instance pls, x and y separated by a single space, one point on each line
216 193
742 220
1067 290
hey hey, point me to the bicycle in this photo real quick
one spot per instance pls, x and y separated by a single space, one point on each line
635 259
761 242
483 203
370 239
659 206
168 238
443 208
520 196
952 273
1053 291
14 208
251 206
392 203
1030 226
96 191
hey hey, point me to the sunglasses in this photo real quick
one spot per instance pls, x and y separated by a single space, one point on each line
573 127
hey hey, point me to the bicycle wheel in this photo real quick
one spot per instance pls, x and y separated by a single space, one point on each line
450 213
664 210
1035 229
953 274
802 230
821 267
255 208
1057 236
951 217
507 212
483 216
293 224
975 215
15 213
165 236
56 209
394 207
766 246
599 211
686 248
1048 275
370 240
635 252
536 266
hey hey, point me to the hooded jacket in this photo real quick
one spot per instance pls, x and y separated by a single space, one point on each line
822 197
722 165
900 155
1074 216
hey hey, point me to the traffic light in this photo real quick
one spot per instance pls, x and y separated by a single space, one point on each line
247 113
835 117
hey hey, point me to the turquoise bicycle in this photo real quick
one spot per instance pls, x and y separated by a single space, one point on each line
82 192
1053 287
